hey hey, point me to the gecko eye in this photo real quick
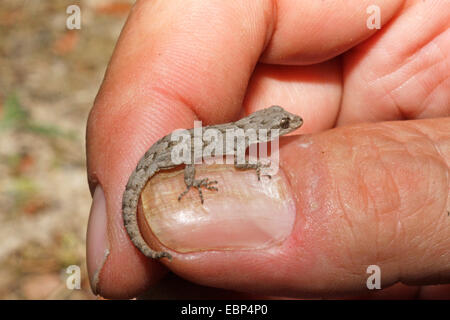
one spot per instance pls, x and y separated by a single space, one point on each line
284 123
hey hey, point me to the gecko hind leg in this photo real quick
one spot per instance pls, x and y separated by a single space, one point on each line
257 166
191 182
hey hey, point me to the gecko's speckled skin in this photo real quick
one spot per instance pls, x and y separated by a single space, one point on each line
158 157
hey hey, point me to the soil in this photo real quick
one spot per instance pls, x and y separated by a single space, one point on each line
49 77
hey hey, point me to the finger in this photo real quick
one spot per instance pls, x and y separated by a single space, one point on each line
403 72
343 200
307 32
121 266
170 66
435 292
176 288
314 92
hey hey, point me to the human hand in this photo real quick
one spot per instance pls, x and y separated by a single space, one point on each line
367 193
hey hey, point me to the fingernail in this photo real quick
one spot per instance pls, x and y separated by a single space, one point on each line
243 214
97 238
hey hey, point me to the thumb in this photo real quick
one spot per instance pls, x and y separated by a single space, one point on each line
343 200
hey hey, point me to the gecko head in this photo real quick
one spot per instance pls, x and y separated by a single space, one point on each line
276 117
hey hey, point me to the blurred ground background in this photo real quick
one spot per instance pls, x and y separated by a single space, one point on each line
49 77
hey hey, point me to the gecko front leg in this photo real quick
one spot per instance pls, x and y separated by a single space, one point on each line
191 182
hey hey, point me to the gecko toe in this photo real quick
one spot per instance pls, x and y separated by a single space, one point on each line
183 193
199 184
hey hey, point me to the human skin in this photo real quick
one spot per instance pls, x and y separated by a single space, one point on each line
372 191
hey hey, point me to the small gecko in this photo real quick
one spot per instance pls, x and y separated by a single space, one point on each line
158 158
